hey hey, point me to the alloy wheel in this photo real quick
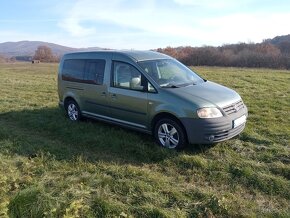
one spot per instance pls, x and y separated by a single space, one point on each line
73 112
168 135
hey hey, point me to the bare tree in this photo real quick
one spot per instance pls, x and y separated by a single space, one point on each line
44 54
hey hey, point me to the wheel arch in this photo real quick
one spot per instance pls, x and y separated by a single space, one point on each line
162 115
67 99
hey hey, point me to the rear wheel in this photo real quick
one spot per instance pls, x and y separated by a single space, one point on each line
169 134
73 111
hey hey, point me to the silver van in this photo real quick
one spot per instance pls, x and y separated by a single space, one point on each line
149 92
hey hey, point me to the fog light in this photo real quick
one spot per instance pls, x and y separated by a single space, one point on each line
211 138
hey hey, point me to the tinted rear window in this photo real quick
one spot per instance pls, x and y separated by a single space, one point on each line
84 70
73 70
94 72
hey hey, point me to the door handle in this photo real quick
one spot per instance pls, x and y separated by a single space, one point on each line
103 94
113 96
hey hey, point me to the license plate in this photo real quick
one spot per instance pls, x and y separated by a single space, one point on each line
239 121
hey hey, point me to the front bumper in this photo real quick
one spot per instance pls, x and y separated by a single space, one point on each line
207 131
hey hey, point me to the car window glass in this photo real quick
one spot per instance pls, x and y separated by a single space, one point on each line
73 70
127 76
95 71
167 72
150 88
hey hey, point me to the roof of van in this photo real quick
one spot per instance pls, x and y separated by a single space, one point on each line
134 54
143 55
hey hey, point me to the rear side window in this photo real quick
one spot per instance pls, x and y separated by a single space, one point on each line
73 70
94 73
84 70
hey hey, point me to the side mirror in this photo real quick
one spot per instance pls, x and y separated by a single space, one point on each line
135 84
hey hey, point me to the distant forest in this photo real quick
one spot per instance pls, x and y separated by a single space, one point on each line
271 53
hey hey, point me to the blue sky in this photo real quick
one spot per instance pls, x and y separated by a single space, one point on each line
143 24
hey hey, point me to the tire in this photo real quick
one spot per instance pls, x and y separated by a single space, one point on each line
169 134
73 111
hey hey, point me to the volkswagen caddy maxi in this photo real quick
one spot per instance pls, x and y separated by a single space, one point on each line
150 92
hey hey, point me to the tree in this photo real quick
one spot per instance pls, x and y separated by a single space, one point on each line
44 54
238 55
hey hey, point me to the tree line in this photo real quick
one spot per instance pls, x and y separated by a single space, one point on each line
263 54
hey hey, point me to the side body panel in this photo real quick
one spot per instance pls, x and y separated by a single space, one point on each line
95 97
90 97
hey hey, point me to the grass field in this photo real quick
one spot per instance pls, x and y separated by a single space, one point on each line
50 167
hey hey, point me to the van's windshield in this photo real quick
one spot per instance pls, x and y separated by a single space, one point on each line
170 73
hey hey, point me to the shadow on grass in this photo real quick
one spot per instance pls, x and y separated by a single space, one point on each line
47 130
249 138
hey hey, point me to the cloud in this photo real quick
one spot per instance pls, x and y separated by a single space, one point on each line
211 4
73 26
150 24
243 27
144 16
147 18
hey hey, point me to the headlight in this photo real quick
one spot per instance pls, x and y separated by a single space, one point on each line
209 112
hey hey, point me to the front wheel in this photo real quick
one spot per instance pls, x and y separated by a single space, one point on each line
169 133
73 111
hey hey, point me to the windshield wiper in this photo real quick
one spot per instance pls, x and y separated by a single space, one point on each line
169 85
186 84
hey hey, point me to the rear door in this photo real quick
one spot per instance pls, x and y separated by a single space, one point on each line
127 98
72 79
95 90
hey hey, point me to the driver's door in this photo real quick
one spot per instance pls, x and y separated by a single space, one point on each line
127 98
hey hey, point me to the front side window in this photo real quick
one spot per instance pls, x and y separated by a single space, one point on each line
170 73
128 77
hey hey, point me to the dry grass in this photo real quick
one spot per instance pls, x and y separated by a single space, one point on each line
54 168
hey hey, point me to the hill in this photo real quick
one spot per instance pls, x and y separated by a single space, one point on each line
27 48
279 39
271 53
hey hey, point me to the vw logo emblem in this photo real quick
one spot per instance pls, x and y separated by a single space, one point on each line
236 108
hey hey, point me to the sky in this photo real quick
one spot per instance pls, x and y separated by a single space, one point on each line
143 24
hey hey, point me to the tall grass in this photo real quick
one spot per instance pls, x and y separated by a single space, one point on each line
51 167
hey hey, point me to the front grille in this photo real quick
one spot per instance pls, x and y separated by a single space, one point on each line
233 108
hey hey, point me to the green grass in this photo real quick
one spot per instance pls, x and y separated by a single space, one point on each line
50 167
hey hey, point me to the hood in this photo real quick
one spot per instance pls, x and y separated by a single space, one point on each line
210 92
